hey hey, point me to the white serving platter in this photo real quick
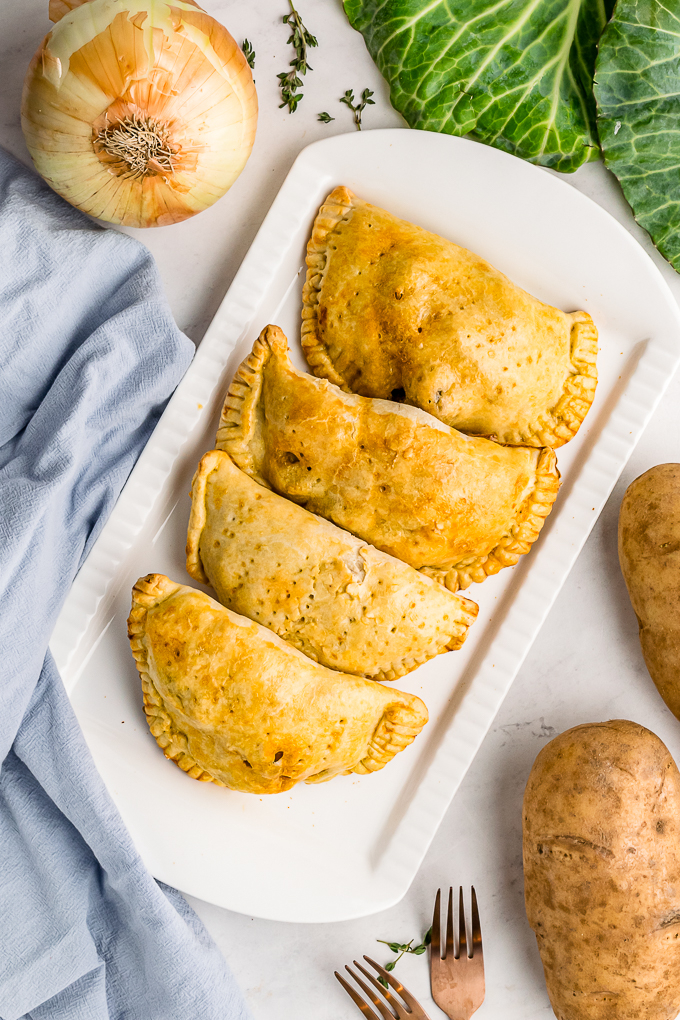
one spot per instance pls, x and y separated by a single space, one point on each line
352 846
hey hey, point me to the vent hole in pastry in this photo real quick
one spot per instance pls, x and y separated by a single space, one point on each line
247 764
290 458
278 756
398 394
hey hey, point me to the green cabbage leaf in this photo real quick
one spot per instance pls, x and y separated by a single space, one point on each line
637 90
516 74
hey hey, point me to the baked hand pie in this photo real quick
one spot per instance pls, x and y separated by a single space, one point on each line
455 507
232 703
340 601
389 308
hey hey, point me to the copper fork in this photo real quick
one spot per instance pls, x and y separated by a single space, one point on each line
457 977
409 1009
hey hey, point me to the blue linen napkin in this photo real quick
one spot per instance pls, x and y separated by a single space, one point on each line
89 355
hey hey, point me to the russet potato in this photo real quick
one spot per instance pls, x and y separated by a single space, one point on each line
649 553
601 829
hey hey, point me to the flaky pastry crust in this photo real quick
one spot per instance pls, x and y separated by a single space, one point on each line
233 704
340 601
390 308
457 508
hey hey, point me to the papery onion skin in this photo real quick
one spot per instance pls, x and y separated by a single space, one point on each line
139 112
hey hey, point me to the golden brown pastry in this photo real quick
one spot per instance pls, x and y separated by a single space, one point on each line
232 703
340 601
388 307
455 507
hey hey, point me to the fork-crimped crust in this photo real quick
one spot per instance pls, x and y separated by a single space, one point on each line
232 703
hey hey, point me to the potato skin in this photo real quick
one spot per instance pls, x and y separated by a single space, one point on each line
601 851
649 554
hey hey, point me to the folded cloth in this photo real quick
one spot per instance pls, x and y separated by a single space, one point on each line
89 355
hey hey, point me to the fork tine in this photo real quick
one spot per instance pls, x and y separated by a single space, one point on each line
363 1006
449 928
384 1011
397 1006
396 984
476 927
435 946
462 935
413 1005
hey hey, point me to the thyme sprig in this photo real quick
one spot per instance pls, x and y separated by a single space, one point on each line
325 118
404 947
289 82
358 108
248 52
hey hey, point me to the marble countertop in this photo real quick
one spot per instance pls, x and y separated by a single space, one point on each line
585 665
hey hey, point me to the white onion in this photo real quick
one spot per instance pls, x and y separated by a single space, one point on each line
141 112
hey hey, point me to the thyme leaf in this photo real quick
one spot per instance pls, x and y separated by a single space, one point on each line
359 107
325 118
301 39
403 947
248 52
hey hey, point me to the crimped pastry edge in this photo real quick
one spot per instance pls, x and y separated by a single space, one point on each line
237 421
522 535
558 426
147 592
198 515
337 207
554 429
194 565
389 737
456 641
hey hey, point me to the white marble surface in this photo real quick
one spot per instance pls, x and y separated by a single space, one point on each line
586 664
